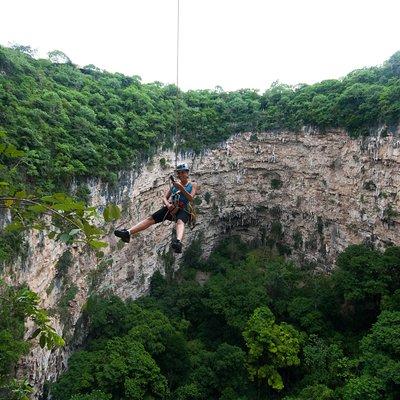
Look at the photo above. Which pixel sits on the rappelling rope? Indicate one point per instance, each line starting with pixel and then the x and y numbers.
pixel 177 100
pixel 190 210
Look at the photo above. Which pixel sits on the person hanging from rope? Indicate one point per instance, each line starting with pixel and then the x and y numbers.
pixel 177 207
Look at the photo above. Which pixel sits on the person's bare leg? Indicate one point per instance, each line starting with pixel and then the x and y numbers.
pixel 180 229
pixel 142 225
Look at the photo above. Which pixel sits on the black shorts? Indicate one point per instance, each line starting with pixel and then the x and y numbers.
pixel 162 214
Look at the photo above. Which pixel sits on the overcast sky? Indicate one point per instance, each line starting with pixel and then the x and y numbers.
pixel 231 43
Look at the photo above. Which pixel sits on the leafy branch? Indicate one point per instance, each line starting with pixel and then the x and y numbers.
pixel 64 219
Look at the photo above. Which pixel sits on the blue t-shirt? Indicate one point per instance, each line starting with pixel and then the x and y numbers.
pixel 179 197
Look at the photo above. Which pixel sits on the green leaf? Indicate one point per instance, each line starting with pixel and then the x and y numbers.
pixel 16 153
pixel 58 340
pixel 64 237
pixel 73 232
pixel 275 380
pixel 111 212
pixel 12 151
pixel 96 244
pixel 14 226
pixel 36 333
pixel 39 226
pixel 48 199
pixel 42 341
pixel 21 194
pixel 37 208
pixel 91 230
pixel 63 207
pixel 52 234
pixel 9 202
pixel 54 198
pixel 99 254
pixel 59 196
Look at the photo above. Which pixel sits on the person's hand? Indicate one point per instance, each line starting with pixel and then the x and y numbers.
pixel 179 186
pixel 170 207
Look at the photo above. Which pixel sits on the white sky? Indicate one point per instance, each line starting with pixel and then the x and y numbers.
pixel 231 43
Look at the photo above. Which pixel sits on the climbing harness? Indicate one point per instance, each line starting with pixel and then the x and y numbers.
pixel 179 205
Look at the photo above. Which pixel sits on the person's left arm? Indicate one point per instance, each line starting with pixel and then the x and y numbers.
pixel 189 196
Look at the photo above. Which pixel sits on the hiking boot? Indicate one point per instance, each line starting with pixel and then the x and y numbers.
pixel 177 246
pixel 123 234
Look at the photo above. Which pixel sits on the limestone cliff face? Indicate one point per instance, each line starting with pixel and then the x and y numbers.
pixel 308 192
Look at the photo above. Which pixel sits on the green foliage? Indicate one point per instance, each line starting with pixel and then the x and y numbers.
pixel 305 312
pixel 11 336
pixel 165 344
pixel 276 183
pixel 188 392
pixel 17 305
pixel 83 193
pixel 315 392
pixel 380 354
pixel 191 334
pixel 122 368
pixel 111 212
pixel 297 240
pixel 193 254
pixel 10 245
pixel 207 197
pixel 95 276
pixel 106 317
pixel 276 231
pixel 212 373
pixel 95 395
pixel 63 304
pixel 78 122
pixel 63 263
pixel 281 280
pixel 364 387
pixel 71 221
pixel 230 251
pixel 326 364
pixel 16 390
pixel 235 295
pixel 363 276
pixel 23 303
pixel 270 346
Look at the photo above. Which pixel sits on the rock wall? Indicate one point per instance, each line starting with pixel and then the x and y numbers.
pixel 308 194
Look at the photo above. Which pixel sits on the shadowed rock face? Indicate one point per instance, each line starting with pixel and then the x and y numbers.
pixel 311 193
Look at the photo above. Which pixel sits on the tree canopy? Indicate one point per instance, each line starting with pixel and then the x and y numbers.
pixel 294 343
pixel 80 122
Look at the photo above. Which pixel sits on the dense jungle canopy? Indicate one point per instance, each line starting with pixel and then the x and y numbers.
pixel 76 122
pixel 260 328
